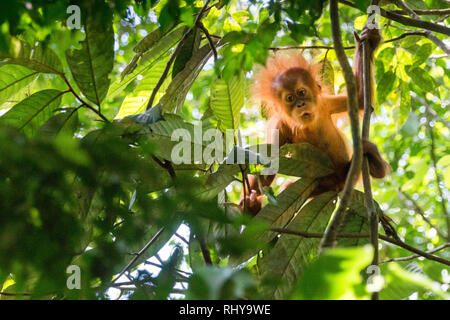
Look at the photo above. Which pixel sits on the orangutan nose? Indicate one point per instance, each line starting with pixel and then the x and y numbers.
pixel 301 104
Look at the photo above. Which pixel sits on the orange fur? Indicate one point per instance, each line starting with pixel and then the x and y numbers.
pixel 276 65
pixel 302 111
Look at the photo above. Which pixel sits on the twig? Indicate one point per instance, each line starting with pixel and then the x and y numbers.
pixel 205 251
pixel 309 47
pixel 329 239
pixel 181 238
pixel 63 76
pixel 396 242
pixel 428 33
pixel 166 165
pixel 161 266
pixel 424 254
pixel 428 12
pixel 319 235
pixel 10 294
pixel 446 245
pixel 208 36
pixel 402 36
pixel 407 21
pixel 419 210
pixel 174 55
pixel 140 253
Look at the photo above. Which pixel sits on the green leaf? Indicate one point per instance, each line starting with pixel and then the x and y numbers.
pixel 416 4
pixel 40 58
pixel 148 41
pixel 304 160
pixel 218 181
pixel 162 131
pixel 213 283
pixel 136 102
pixel 286 261
pixel 335 275
pixel 91 65
pixel 12 79
pixel 356 221
pixel 421 78
pixel 158 51
pixel 401 114
pixel 173 100
pixel 227 99
pixel 326 74
pixel 29 114
pixel 385 86
pixel 400 284
pixel 62 123
pixel 190 46
pixel 411 125
pixel 278 215
pixel 422 54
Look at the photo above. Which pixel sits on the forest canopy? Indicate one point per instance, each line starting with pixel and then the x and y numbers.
pixel 94 205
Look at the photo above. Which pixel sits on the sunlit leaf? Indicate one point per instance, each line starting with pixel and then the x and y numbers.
pixel 287 260
pixel 29 114
pixel 227 99
pixel 12 79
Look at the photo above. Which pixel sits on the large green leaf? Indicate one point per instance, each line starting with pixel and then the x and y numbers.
pixel 12 79
pixel 421 78
pixel 62 123
pixel 287 260
pixel 190 46
pixel 355 221
pixel 304 160
pixel 335 275
pixel 218 181
pixel 173 100
pixel 29 114
pixel 400 284
pixel 136 101
pixel 401 114
pixel 227 99
pixel 91 65
pixel 385 86
pixel 161 133
pixel 39 58
pixel 278 215
pixel 158 51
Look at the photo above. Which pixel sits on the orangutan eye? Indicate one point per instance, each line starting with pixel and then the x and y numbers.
pixel 289 98
pixel 301 92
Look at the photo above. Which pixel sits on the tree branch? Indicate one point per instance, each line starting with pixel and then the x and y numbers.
pixel 428 33
pixel 139 254
pixel 63 76
pixel 208 36
pixel 428 12
pixel 446 245
pixel 407 21
pixel 402 36
pixel 329 239
pixel 424 254
pixel 396 242
pixel 372 215
pixel 174 55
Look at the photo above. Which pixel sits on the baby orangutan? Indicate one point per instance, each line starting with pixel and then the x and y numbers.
pixel 301 109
